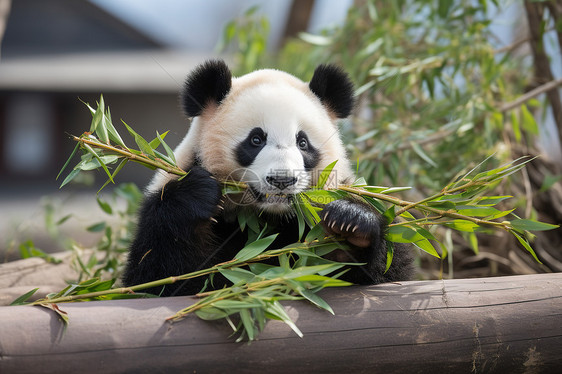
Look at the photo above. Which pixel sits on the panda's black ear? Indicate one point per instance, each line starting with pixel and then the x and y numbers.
pixel 334 89
pixel 209 83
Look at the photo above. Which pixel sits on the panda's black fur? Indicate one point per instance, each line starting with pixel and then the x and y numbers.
pixel 182 226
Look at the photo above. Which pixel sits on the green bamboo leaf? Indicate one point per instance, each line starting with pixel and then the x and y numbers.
pixel 96 116
pixel 359 182
pixel 369 134
pixel 420 152
pixel 375 189
pixel 491 200
pixel 532 225
pixel 324 175
pixel 28 249
pixel 476 211
pixel 63 219
pixel 515 126
pixel 316 233
pixel 99 122
pixel 310 213
pixel 442 204
pixel 169 151
pixel 322 196
pixel 144 146
pixel 97 227
pixel 23 298
pixel 314 39
pixel 500 214
pixel 376 204
pixel 254 249
pixel 68 161
pixel 426 246
pixel 300 215
pixel 112 132
pixel 462 225
pixel 233 306
pixel 405 234
pixel 315 269
pixel 389 255
pixel 248 323
pixel 237 275
pixel 314 298
pixel 92 110
pixel 402 234
pixel 407 216
pixel 104 206
pixel 91 150
pixel 211 314
pixel 155 143
pixel 395 189
pixel 95 286
pixel 528 121
pixel 117 170
pixel 324 281
pixel 275 310
pixel 526 245
pixel 94 163
pixel 390 214
pixel 73 174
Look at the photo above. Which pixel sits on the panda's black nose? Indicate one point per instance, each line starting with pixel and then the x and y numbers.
pixel 281 182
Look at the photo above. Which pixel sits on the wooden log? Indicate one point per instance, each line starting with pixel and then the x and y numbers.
pixel 18 277
pixel 490 325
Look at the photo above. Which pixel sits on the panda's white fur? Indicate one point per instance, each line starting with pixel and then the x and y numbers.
pixel 280 104
pixel 276 133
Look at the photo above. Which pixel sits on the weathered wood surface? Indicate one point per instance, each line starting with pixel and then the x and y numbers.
pixel 18 277
pixel 490 325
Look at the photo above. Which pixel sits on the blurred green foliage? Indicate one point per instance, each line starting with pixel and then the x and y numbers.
pixel 430 87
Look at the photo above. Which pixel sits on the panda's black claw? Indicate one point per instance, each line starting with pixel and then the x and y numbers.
pixel 355 222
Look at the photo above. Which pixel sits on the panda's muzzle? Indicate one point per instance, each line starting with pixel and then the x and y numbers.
pixel 281 182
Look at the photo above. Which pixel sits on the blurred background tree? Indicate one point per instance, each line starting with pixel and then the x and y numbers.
pixel 436 95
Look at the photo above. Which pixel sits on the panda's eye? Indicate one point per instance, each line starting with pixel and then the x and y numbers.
pixel 302 143
pixel 256 140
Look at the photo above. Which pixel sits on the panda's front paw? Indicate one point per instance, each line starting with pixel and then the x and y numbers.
pixel 353 221
pixel 198 194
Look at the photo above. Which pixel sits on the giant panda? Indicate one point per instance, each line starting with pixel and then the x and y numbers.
pixel 276 133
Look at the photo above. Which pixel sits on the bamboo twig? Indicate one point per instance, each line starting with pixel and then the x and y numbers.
pixel 531 94
pixel 130 155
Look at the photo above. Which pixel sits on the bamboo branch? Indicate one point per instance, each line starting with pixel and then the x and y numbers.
pixel 170 280
pixel 531 94
pixel 131 156
pixel 443 213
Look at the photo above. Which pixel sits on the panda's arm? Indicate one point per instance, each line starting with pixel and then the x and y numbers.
pixel 174 235
pixel 364 230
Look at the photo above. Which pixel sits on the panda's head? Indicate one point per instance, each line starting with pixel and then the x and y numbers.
pixel 267 128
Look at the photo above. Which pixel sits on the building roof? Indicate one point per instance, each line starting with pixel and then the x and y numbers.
pixel 152 71
pixel 38 27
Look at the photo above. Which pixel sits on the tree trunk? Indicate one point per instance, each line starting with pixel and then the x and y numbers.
pixel 543 73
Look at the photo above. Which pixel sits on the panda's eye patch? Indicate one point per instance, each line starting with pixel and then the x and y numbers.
pixel 249 148
pixel 310 155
